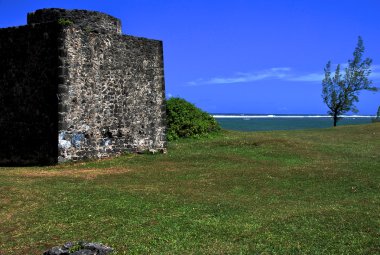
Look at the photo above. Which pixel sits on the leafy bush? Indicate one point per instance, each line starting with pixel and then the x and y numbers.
pixel 186 120
pixel 65 22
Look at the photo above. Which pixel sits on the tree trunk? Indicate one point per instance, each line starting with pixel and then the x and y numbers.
pixel 335 119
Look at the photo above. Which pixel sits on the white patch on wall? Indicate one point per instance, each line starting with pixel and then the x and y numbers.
pixel 62 143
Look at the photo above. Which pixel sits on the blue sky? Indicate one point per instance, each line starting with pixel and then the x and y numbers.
pixel 243 56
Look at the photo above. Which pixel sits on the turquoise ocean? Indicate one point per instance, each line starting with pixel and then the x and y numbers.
pixel 265 122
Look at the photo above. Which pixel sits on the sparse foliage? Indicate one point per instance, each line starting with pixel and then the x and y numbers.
pixel 65 22
pixel 341 92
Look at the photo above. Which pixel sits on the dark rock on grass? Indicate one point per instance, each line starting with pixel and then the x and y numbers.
pixel 99 248
pixel 79 248
pixel 84 252
pixel 57 251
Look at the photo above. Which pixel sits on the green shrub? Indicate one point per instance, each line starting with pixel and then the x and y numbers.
pixel 65 22
pixel 186 120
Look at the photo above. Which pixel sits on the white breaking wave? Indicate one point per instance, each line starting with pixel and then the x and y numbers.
pixel 287 116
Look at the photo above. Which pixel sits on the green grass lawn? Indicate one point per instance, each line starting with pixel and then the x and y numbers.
pixel 282 192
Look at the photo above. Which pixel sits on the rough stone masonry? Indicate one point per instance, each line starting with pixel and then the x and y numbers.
pixel 73 87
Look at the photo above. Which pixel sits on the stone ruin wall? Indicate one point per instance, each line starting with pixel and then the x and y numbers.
pixel 111 96
pixel 28 101
pixel 78 91
pixel 89 21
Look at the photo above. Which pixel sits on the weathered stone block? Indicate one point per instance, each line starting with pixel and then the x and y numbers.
pixel 78 90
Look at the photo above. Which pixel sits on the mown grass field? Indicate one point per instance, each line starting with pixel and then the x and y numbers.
pixel 283 192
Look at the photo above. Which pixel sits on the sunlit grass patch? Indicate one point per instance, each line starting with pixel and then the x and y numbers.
pixel 283 192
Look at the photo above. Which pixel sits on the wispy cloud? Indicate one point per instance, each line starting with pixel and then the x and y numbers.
pixel 279 73
pixel 375 75
pixel 311 77
pixel 272 73
pixel 375 72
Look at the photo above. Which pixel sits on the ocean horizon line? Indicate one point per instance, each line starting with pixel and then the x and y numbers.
pixel 248 116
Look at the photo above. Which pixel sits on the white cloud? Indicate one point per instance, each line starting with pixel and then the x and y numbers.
pixel 374 75
pixel 279 73
pixel 311 77
pixel 272 73
pixel 375 72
